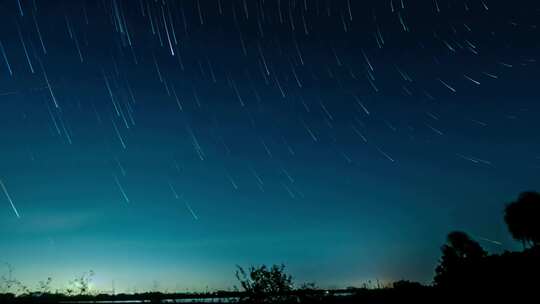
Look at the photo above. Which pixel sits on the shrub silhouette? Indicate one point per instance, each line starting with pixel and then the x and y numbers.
pixel 45 286
pixel 265 285
pixel 523 218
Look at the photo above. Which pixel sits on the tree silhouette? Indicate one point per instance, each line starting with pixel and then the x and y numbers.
pixel 464 246
pixel 523 218
pixel 81 283
pixel 458 254
pixel 265 285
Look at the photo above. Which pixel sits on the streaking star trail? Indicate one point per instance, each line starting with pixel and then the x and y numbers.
pixel 6 193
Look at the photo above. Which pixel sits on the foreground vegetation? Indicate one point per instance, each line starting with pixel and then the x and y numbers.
pixel 465 272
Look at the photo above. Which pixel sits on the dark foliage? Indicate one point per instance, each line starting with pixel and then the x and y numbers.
pixel 458 254
pixel 523 218
pixel 466 268
pixel 265 285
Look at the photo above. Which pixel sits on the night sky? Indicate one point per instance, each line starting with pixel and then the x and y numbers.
pixel 160 143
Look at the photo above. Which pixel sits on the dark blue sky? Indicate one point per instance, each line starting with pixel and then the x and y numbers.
pixel 160 143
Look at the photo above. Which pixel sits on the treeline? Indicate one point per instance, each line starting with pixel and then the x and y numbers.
pixel 465 268
pixel 465 272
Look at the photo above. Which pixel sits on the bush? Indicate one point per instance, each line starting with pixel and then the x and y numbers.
pixel 265 285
